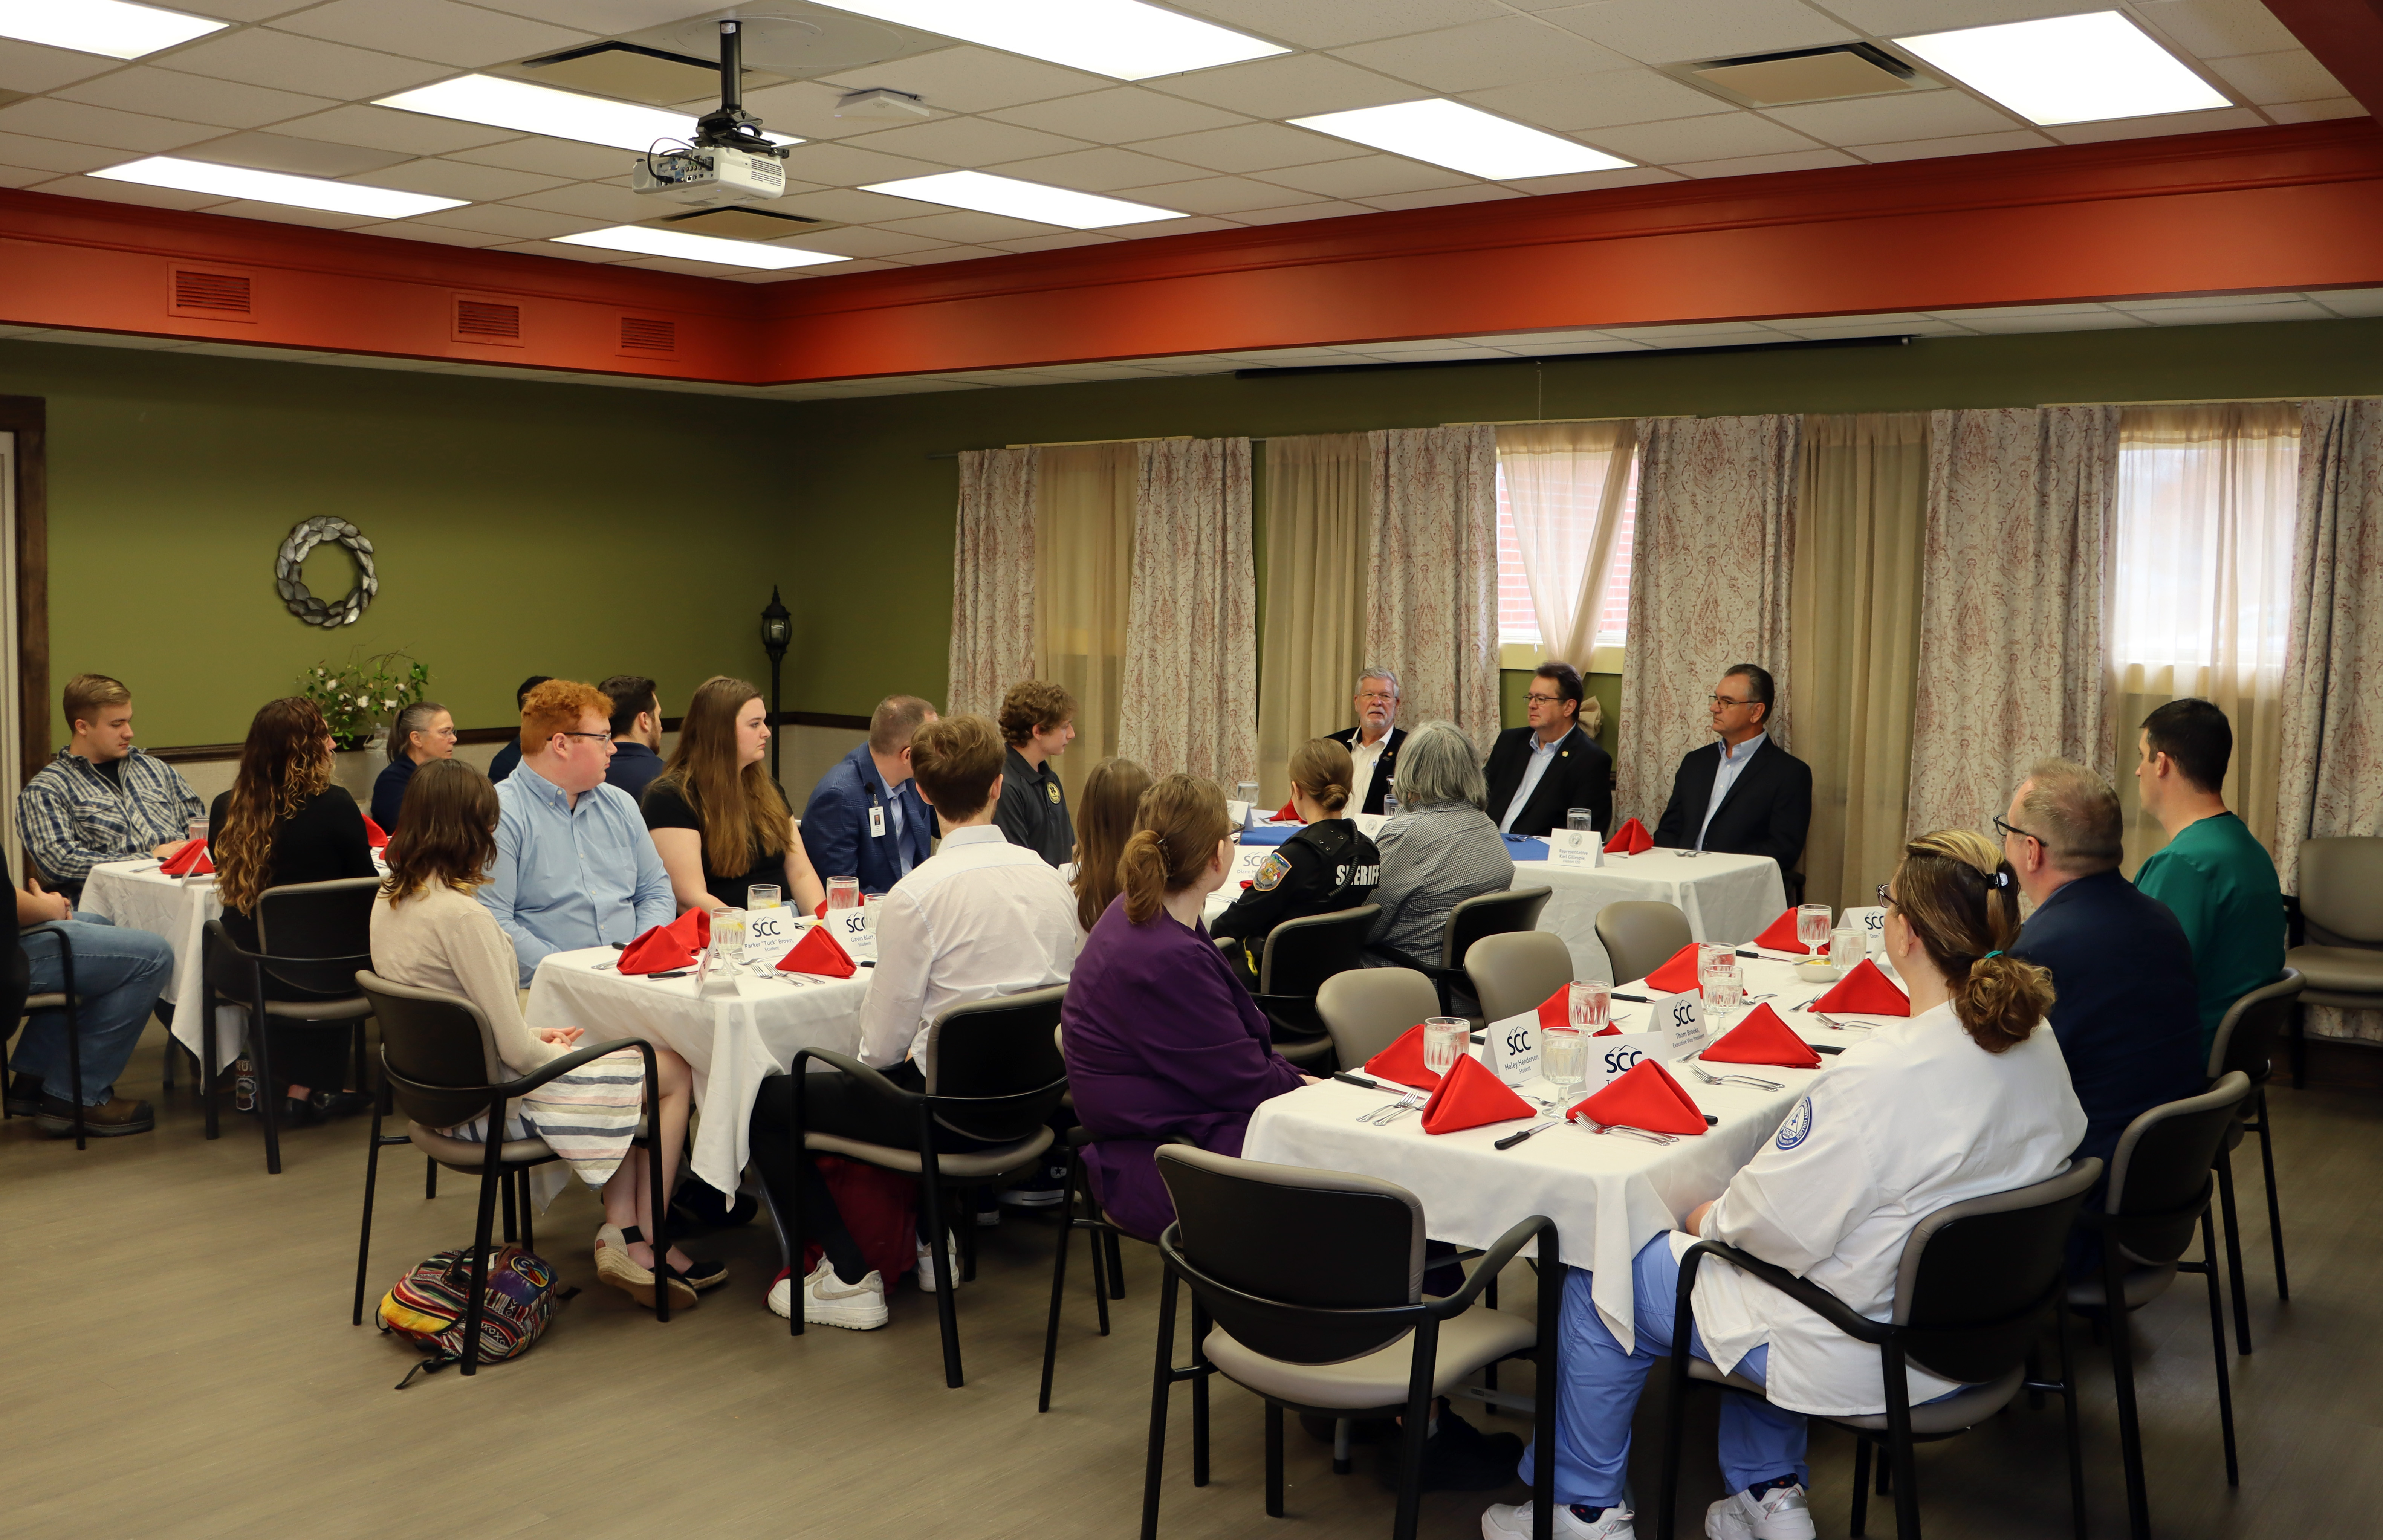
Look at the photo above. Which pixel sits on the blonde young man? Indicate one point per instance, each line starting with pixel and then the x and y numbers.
pixel 101 799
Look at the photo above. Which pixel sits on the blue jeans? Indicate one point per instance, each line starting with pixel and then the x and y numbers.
pixel 1598 1384
pixel 119 973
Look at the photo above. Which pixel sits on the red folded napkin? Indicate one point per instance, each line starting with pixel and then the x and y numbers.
pixel 1678 974
pixel 1470 1095
pixel 1611 1029
pixel 1402 1062
pixel 1289 814
pixel 1780 937
pixel 818 952
pixel 1556 1009
pixel 819 910
pixel 191 860
pixel 1644 1096
pixel 375 835
pixel 1630 839
pixel 1864 992
pixel 668 947
pixel 1762 1037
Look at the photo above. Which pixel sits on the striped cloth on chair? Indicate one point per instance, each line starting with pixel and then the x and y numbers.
pixel 587 1115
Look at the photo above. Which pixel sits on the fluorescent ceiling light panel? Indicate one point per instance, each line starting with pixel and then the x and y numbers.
pixel 1463 138
pixel 987 193
pixel 2069 69
pixel 537 109
pixel 276 187
pixel 1121 38
pixel 110 28
pixel 697 248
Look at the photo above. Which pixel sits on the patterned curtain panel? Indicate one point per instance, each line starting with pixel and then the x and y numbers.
pixel 1314 620
pixel 1710 569
pixel 2015 585
pixel 1431 575
pixel 992 578
pixel 1190 702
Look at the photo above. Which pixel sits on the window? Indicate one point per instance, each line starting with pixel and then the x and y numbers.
pixel 1573 520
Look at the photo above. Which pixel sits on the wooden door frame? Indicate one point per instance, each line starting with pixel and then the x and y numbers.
pixel 27 418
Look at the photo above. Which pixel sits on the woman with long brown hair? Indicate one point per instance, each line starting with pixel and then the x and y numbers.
pixel 1104 821
pixel 718 819
pixel 284 822
pixel 427 932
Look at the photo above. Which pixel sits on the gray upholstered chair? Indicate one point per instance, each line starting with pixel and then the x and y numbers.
pixel 2337 930
pixel 1366 1009
pixel 1639 937
pixel 1513 972
pixel 2244 1038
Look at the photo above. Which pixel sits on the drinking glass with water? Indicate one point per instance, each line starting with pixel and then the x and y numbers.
pixel 1444 1037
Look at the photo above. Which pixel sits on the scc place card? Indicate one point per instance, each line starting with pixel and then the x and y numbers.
pixel 1609 1057
pixel 1513 1047
pixel 1578 848
pixel 1680 1020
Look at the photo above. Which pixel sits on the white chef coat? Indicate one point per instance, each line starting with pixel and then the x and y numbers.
pixel 1913 1119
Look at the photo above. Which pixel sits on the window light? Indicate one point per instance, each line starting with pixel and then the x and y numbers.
pixel 1463 138
pixel 276 187
pixel 987 193
pixel 2069 69
pixel 110 28
pixel 697 248
pixel 1121 38
pixel 537 109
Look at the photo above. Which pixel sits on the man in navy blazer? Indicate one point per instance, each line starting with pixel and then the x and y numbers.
pixel 865 819
pixel 1538 772
pixel 1744 794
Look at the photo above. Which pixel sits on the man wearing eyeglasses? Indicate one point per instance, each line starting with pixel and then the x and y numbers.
pixel 575 866
pixel 1744 794
pixel 1538 772
pixel 1373 741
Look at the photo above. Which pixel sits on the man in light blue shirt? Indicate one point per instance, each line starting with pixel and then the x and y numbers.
pixel 575 866
pixel 1734 758
pixel 1744 794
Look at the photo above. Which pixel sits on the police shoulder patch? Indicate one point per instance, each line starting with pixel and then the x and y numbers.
pixel 1271 870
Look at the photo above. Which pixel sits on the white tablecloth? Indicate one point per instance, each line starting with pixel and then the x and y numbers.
pixel 731 1043
pixel 136 897
pixel 1727 898
pixel 1609 1193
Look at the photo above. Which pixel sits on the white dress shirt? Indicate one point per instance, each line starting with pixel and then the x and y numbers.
pixel 1732 765
pixel 1364 756
pixel 1543 754
pixel 980 918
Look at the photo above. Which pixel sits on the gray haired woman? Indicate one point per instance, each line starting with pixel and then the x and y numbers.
pixel 422 731
pixel 1441 850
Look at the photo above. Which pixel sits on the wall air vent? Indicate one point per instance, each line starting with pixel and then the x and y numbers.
pixel 645 333
pixel 496 322
pixel 1807 75
pixel 211 296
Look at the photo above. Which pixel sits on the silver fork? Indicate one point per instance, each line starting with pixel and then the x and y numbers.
pixel 1382 1114
pixel 1646 1134
pixel 1711 1079
pixel 1836 1025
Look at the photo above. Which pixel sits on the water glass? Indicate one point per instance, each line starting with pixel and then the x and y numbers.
pixel 1444 1037
pixel 728 935
pixel 1846 947
pixel 1590 1007
pixel 1582 818
pixel 1811 925
pixel 843 892
pixel 1725 987
pixel 1712 955
pixel 1390 805
pixel 1563 1058
pixel 198 830
pixel 761 895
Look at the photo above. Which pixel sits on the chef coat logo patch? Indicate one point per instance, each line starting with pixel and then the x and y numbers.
pixel 1798 1125
pixel 1271 870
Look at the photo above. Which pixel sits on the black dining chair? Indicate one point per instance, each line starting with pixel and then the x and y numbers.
pixel 313 937
pixel 66 998
pixel 2245 1037
pixel 1299 955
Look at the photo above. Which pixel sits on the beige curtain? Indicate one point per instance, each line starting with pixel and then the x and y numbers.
pixel 1431 575
pixel 1314 600
pixel 995 576
pixel 1084 564
pixel 2014 597
pixel 2201 560
pixel 1566 487
pixel 1861 510
pixel 1710 566
pixel 1191 659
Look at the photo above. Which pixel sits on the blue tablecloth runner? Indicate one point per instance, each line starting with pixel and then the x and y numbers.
pixel 1517 847
pixel 1522 849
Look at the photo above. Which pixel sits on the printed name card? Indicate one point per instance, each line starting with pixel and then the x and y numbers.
pixel 769 933
pixel 1239 812
pixel 1247 858
pixel 1609 1057
pixel 1872 921
pixel 849 926
pixel 1575 847
pixel 1514 1046
pixel 1370 824
pixel 1680 1020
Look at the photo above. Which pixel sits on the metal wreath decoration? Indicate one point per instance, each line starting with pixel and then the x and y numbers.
pixel 289 569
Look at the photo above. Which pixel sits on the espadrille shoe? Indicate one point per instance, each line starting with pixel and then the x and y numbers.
pixel 615 1266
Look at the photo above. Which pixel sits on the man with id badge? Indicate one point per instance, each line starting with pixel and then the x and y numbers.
pixel 865 818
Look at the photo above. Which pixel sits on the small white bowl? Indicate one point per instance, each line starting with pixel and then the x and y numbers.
pixel 1814 972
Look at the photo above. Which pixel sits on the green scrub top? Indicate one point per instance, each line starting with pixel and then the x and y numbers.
pixel 2220 885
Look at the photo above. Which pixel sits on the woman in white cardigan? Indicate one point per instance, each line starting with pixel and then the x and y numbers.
pixel 427 932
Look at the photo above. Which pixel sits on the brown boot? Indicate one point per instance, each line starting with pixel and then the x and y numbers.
pixel 117 1115
pixel 24 1095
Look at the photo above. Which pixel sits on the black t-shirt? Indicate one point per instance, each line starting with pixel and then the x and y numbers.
pixel 112 768
pixel 321 841
pixel 666 807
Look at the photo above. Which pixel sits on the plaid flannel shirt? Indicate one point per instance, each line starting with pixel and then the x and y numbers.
pixel 71 817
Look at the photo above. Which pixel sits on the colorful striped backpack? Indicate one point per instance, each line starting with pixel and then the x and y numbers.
pixel 429 1304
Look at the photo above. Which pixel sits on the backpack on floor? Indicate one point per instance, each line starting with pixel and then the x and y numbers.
pixel 428 1307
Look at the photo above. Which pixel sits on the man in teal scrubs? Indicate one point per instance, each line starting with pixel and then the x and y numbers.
pixel 2218 881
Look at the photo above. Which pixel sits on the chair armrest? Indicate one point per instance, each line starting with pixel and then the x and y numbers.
pixel 1081 1138
pixel 1493 1261
pixel 869 1079
pixel 2295 923
pixel 1811 1296
pixel 362 959
pixel 573 1060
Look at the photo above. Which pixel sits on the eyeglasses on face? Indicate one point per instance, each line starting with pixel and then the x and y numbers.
pixel 1886 899
pixel 600 737
pixel 1537 698
pixel 1726 702
pixel 1376 697
pixel 2007 832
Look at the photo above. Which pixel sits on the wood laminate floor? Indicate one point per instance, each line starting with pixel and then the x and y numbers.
pixel 179 1362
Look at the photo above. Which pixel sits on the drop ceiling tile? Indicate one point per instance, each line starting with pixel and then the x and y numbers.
pixel 2234 313
pixel 1608 345
pixel 1058 242
pixel 1294 213
pixel 1190 363
pixel 1331 23
pixel 479 184
pixel 971 141
pixel 283 214
pixel 47 118
pixel 2317 112
pixel 593 255
pixel 680 264
pixel 465 35
pixel 1289 87
pixel 258 56
pixel 601 15
pixel 2293 75
pixel 387 128
pixel 807 108
pixel 1884 119
pixel 1891 18
pixel 1603 100
pixel 1117 117
pixel 596 201
pixel 861 242
pixel 299 157
pixel 968 226
pixel 848 166
pixel 1102 371
pixel 957 252
pixel 193 98
pixel 1764 166
pixel 551 158
pixel 31 67
pixel 521 224
pixel 2202 302
pixel 1682 139
pixel 1535 340
pixel 1696 334
pixel 1921 327
pixel 443 235
pixel 1184 226
pixel 2218 29
pixel 23 176
pixel 1253 147
pixel 52 154
pixel 1214 195
pixel 1665 31
pixel 848 205
pixel 1439 197
pixel 1368 176
pixel 1589 181
pixel 2108 320
pixel 1511 50
pixel 2165 123
pixel 973 80
pixel 1094 171
pixel 2350 302
pixel 1957 144
pixel 1988 313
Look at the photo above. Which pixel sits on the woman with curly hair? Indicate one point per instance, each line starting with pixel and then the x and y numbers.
pixel 285 822
pixel 718 819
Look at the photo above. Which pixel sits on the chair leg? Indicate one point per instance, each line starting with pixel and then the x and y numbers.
pixel 2217 1346
pixel 1862 1485
pixel 2122 1372
pixel 74 1052
pixel 2069 1418
pixel 2300 1045
pixel 1274 1459
pixel 166 1072
pixel 2274 1213
pixel 1199 1393
pixel 490 1176
pixel 1161 1380
pixel 1675 1425
pixel 506 1193
pixel 1417 1427
pixel 931 1191
pixel 429 1179
pixel 1901 1448
pixel 363 1242
pixel 529 1237
pixel 968 1236
pixel 1117 1259
pixel 1341 1462
pixel 2232 1226
pixel 208 1065
pixel 268 1086
pixel 1059 1281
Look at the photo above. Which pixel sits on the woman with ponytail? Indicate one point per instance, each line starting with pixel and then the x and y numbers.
pixel 1968 1096
pixel 1329 866
pixel 1161 1039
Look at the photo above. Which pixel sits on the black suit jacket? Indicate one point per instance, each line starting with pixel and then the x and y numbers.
pixel 1582 776
pixel 1768 811
pixel 1384 768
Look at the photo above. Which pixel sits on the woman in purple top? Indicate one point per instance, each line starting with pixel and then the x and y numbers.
pixel 1161 1039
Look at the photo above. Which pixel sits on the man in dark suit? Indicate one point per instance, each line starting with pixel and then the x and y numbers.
pixel 1744 794
pixel 1373 741
pixel 1540 772
pixel 865 819
pixel 2128 1015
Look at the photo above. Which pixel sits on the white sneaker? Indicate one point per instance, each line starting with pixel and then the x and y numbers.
pixel 1782 1514
pixel 1512 1522
pixel 830 1301
pixel 926 1264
